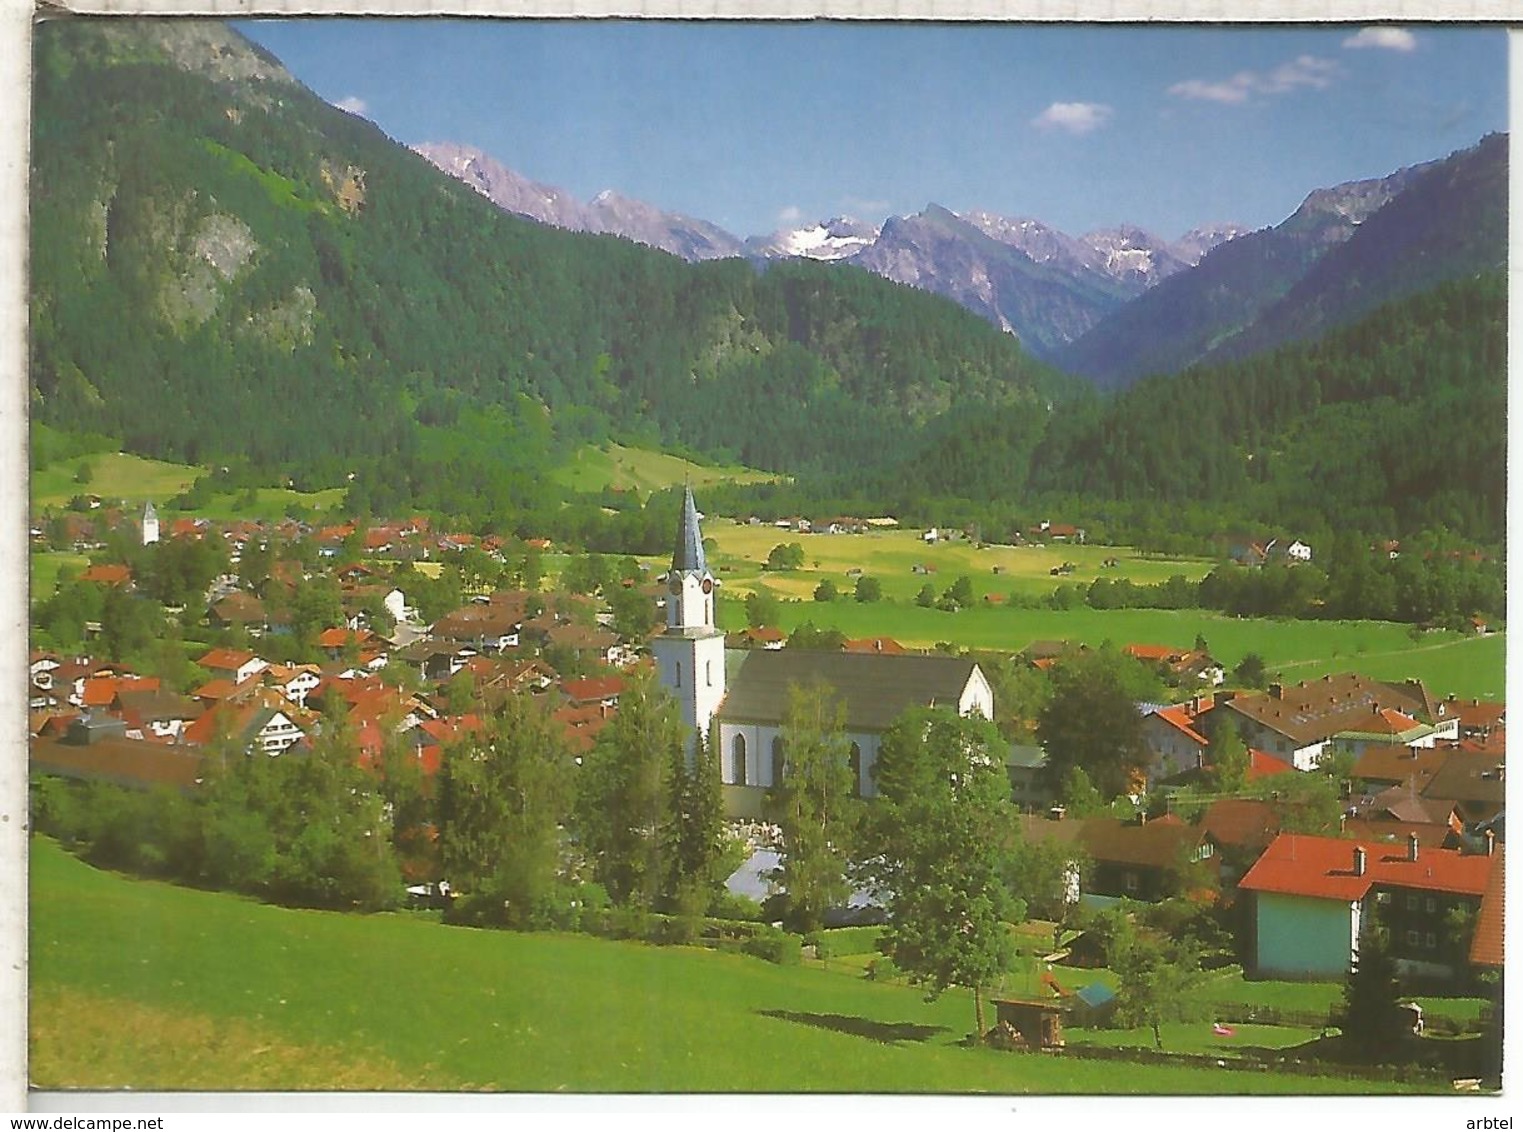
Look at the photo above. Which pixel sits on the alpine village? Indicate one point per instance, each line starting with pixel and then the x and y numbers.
pixel 476 651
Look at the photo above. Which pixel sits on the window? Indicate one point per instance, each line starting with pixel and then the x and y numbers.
pixel 1411 902
pixel 738 760
pixel 1430 941
pixel 1131 882
pixel 1412 938
pixel 1430 905
pixel 679 674
pixel 708 672
pixel 777 760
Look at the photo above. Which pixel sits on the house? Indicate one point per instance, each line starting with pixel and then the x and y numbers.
pixel 883 646
pixel 249 726
pixel 1479 719
pixel 107 574
pixel 743 694
pixel 1174 737
pixel 154 713
pixel 1142 860
pixel 766 637
pixel 294 681
pixel 486 628
pixel 1182 666
pixel 238 609
pixel 1477 784
pixel 1486 944
pixel 594 691
pixel 1299 723
pixel 1312 895
pixel 1028 789
pixel 236 665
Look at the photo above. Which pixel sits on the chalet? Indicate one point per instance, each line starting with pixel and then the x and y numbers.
pixel 486 628
pixel 154 714
pixel 1184 666
pixel 107 574
pixel 767 637
pixel 596 691
pixel 1028 787
pixel 294 681
pixel 1300 723
pixel 236 665
pixel 250 726
pixel 1312 895
pixel 238 609
pixel 1142 860
pixel 881 646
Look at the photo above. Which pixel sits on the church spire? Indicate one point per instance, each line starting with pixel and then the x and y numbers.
pixel 688 557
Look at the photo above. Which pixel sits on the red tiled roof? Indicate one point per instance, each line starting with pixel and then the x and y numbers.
pixel 1241 822
pixel 1151 652
pixel 1263 765
pixel 1486 945
pixel 1179 716
pixel 593 688
pixel 1475 715
pixel 1323 867
pixel 107 574
pixel 885 645
pixel 231 659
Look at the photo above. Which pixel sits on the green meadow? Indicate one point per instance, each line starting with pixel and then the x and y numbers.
pixel 642 470
pixel 113 476
pixel 144 984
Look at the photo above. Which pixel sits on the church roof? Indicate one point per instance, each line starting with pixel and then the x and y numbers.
pixel 876 688
pixel 689 553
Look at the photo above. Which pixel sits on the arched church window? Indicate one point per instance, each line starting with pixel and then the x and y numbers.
pixel 777 760
pixel 679 674
pixel 738 769
pixel 708 672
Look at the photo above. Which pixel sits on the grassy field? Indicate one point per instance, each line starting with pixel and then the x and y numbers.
pixel 644 471
pixel 114 476
pixel 45 568
pixel 140 982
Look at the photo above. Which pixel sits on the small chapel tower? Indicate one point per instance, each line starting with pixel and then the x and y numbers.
pixel 150 524
pixel 690 651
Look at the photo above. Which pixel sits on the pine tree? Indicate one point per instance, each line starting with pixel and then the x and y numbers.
pixel 1370 994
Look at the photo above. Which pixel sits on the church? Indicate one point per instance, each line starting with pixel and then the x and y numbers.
pixel 739 697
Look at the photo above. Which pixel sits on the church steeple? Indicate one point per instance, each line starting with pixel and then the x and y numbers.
pixel 690 653
pixel 689 553
pixel 689 584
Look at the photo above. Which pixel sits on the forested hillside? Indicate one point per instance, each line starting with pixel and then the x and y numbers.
pixel 225 267
pixel 1389 427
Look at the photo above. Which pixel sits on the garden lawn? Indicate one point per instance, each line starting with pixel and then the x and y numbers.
pixel 1197 1037
pixel 405 1003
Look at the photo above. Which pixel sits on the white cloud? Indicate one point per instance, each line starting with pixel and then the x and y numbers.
pixel 1073 117
pixel 1383 38
pixel 353 105
pixel 1301 73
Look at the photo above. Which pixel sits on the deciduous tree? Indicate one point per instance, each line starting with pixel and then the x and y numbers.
pixel 934 849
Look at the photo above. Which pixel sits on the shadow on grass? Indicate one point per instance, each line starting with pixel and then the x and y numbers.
pixel 889 1033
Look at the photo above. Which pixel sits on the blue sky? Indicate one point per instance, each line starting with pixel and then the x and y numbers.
pixel 755 126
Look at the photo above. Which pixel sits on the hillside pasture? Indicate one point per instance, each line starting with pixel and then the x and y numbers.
pixel 401 1002
pixel 643 471
pixel 115 477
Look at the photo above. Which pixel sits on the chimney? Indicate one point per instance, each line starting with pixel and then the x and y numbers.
pixel 1411 846
pixel 1491 842
pixel 1359 860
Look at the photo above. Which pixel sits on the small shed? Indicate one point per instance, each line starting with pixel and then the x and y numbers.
pixel 1038 1024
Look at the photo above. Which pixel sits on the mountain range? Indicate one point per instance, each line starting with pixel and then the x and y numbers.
pixel 1042 285
pixel 227 270
pixel 1114 304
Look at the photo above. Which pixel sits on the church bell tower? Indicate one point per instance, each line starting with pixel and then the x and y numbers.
pixel 690 651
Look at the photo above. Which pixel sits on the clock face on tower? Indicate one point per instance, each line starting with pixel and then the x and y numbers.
pixel 708 585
